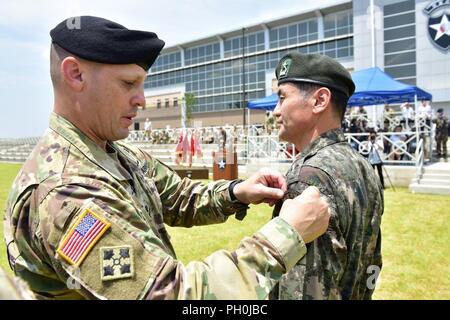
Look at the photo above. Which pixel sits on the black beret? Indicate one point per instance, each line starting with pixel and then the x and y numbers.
pixel 100 40
pixel 316 69
pixel 440 110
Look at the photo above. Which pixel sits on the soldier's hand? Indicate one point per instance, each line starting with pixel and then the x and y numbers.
pixel 265 186
pixel 308 213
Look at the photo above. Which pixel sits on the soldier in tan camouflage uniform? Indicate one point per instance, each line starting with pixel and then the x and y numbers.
pixel 345 261
pixel 85 216
pixel 13 288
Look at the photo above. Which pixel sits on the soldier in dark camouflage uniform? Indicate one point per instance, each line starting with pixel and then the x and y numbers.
pixel 85 216
pixel 313 94
pixel 441 134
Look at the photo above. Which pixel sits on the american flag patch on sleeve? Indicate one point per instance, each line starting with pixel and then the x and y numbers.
pixel 83 235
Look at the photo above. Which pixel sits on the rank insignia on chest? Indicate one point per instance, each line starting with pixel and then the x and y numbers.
pixel 116 262
pixel 82 237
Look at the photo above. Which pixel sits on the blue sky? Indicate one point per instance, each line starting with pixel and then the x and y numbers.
pixel 25 87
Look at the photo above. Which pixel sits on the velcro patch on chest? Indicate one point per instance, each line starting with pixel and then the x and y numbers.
pixel 83 235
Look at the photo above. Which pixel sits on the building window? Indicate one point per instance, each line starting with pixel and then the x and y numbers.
pixel 167 61
pixel 337 24
pixel 175 102
pixel 166 103
pixel 294 33
pixel 201 54
pixel 400 41
pixel 158 104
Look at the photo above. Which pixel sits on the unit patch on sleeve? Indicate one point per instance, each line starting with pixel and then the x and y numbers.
pixel 116 262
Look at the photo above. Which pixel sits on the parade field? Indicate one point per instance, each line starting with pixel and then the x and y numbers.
pixel 415 243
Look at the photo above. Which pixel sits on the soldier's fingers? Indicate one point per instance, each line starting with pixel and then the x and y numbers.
pixel 271 193
pixel 274 179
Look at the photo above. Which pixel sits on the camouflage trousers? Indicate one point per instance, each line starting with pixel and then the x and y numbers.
pixel 441 146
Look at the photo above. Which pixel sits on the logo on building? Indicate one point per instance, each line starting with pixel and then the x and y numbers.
pixel 438 13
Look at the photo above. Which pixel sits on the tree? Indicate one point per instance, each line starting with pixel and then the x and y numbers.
pixel 189 102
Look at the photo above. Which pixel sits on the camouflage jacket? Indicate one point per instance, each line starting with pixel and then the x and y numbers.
pixel 441 127
pixel 336 265
pixel 82 223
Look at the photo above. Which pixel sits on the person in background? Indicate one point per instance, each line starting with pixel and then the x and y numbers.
pixel 376 148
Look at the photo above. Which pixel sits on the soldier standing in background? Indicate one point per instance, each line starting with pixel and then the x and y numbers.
pixel 441 137
pixel 313 94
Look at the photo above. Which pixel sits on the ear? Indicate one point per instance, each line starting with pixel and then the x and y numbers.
pixel 72 72
pixel 321 99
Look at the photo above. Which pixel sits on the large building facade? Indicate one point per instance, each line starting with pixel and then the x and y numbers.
pixel 216 68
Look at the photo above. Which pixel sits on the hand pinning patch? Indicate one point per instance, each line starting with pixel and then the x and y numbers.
pixel 116 262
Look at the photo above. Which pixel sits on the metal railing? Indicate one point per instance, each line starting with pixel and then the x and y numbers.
pixel 399 147
pixel 419 160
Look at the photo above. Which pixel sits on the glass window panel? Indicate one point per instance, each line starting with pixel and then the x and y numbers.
pixel 411 81
pixel 201 51
pixel 330 45
pixel 236 43
pixel 342 43
pixel 282 33
pixel 401 71
pixel 399 7
pixel 400 58
pixel 227 45
pixel 401 45
pixel 260 38
pixel 273 34
pixel 341 31
pixel 312 25
pixel 398 33
pixel 251 40
pixel 331 54
pixel 293 31
pixel 342 53
pixel 329 22
pixel 302 29
pixel 398 20
pixel 330 33
pixel 342 20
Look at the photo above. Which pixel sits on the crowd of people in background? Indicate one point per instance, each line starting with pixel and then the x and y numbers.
pixel 398 128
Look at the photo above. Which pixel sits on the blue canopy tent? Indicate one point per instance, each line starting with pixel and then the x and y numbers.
pixel 373 87
pixel 266 103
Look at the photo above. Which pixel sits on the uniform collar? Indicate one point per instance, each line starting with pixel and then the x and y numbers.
pixel 325 139
pixel 85 145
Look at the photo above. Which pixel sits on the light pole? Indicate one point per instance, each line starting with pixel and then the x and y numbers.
pixel 243 80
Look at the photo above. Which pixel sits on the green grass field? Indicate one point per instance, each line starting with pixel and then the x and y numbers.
pixel 415 245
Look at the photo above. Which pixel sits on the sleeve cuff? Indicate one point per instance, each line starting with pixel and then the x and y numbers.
pixel 233 206
pixel 286 240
